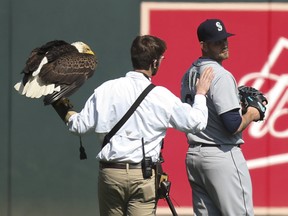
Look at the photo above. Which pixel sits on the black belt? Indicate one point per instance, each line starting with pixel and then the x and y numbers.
pixel 209 145
pixel 104 165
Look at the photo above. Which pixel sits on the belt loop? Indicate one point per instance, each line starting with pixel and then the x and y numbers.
pixel 127 167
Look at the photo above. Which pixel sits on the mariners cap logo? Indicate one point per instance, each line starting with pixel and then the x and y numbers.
pixel 219 26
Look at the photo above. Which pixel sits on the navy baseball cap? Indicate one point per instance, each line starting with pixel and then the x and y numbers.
pixel 212 30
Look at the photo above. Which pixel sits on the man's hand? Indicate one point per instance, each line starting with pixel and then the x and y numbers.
pixel 63 107
pixel 203 83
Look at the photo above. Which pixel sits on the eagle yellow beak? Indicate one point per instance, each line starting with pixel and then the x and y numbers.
pixel 89 51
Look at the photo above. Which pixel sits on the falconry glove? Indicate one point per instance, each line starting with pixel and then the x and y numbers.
pixel 251 97
pixel 62 107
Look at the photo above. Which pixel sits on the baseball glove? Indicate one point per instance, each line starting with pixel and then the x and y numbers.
pixel 250 96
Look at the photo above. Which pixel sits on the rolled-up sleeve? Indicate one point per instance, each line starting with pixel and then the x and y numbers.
pixel 190 119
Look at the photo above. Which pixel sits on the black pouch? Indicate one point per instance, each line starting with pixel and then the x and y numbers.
pixel 160 178
pixel 147 167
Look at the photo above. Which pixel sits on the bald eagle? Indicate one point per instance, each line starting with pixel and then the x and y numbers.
pixel 57 69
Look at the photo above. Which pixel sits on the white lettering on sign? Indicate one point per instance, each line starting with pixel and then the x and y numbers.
pixel 277 96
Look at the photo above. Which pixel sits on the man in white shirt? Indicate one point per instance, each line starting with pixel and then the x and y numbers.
pixel 122 189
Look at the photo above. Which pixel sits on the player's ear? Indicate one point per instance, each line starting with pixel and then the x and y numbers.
pixel 203 46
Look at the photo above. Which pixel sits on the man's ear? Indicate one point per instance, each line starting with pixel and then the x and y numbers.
pixel 155 64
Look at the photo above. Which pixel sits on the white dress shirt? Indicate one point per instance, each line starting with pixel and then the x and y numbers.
pixel 160 110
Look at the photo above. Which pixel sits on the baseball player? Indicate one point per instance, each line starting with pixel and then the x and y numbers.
pixel 217 171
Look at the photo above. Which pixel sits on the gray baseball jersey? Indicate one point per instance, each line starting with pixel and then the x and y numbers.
pixel 222 97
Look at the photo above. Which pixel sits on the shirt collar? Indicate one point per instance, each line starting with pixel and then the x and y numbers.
pixel 138 75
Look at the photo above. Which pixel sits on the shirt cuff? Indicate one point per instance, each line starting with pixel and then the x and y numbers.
pixel 200 99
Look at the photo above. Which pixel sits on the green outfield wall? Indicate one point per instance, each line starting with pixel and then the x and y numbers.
pixel 40 170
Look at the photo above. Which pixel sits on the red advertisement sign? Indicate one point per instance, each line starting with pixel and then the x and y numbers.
pixel 258 58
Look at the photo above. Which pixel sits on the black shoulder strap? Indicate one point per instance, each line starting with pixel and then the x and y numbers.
pixel 127 114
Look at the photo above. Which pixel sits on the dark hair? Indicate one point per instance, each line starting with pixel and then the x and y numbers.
pixel 145 49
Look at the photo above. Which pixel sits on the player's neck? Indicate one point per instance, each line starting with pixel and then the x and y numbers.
pixel 219 61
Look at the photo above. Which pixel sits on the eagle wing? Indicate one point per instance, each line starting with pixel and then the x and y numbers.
pixel 69 72
pixel 38 54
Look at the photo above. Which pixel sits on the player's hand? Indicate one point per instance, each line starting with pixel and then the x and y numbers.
pixel 203 83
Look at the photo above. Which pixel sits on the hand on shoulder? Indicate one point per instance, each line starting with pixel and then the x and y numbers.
pixel 203 83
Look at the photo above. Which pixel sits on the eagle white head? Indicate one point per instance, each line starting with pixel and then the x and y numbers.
pixel 82 47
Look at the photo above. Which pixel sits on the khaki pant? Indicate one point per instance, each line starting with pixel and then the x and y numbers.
pixel 124 192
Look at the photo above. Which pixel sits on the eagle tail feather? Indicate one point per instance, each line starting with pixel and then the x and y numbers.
pixel 34 88
pixel 18 86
